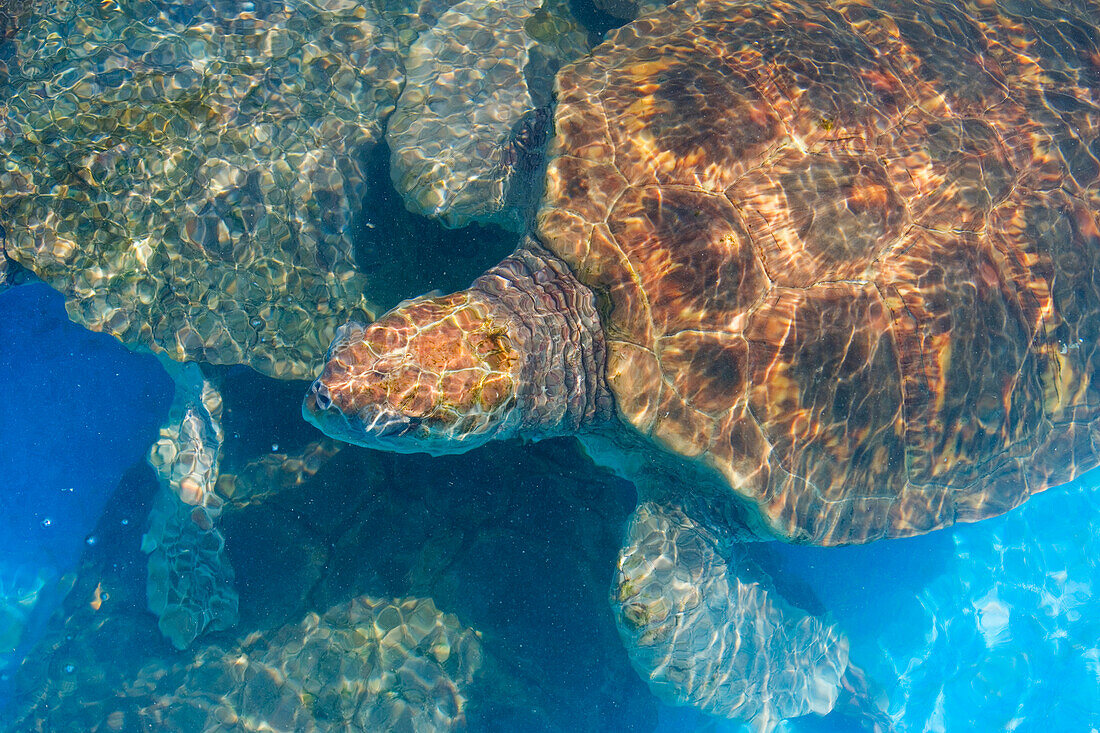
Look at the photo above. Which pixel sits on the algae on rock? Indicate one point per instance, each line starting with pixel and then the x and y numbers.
pixel 189 179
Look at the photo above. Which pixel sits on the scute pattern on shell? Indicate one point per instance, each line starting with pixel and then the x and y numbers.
pixel 188 176
pixel 845 251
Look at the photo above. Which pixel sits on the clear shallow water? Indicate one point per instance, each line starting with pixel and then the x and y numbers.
pixel 985 627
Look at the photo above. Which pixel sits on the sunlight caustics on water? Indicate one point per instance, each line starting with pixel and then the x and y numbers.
pixel 784 275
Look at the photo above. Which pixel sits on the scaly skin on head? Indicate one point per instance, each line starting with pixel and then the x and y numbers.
pixel 519 353
pixel 431 368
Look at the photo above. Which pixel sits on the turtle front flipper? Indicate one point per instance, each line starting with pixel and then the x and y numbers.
pixel 707 630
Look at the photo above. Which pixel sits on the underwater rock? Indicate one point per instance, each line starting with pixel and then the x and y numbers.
pixel 190 580
pixel 367 664
pixel 272 473
pixel 11 272
pixel 13 13
pixel 192 177
pixel 411 18
pixel 188 176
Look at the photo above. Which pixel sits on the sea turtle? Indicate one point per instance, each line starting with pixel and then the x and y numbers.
pixel 816 271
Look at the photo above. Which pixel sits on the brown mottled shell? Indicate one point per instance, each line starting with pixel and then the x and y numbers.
pixel 846 252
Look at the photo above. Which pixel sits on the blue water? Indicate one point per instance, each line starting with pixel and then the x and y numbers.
pixel 78 410
pixel 991 626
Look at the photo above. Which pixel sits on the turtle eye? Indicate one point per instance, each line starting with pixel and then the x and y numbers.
pixel 321 395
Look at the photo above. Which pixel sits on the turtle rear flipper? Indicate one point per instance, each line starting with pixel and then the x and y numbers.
pixel 707 633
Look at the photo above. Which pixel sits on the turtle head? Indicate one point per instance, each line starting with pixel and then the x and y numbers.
pixel 519 353
pixel 435 375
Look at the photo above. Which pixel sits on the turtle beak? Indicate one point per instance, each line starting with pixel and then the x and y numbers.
pixel 318 408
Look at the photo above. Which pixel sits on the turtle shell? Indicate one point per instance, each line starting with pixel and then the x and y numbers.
pixel 845 251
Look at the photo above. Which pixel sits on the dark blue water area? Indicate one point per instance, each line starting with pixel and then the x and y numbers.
pixel 78 410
